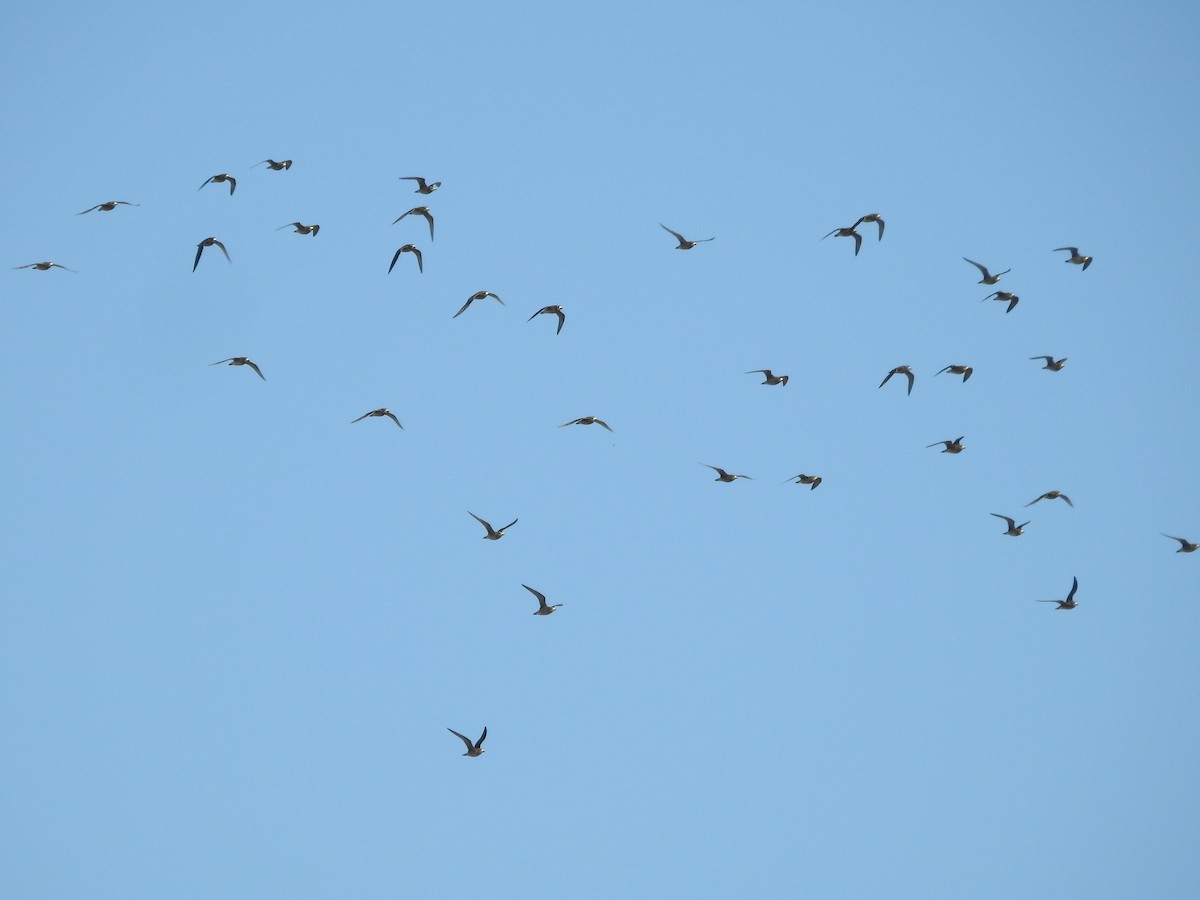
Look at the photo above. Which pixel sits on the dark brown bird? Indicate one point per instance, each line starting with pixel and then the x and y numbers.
pixel 422 186
pixel 586 420
pixel 1051 495
pixel 872 217
pixel 849 232
pixel 108 207
pixel 901 370
pixel 1184 545
pixel 1004 297
pixel 767 374
pixel 420 211
pixel 544 609
pixel 1070 602
pixel 274 166
pixel 208 242
pixel 217 179
pixel 301 229
pixel 1054 365
pixel 954 446
pixel 551 310
pixel 241 361
pixel 408 248
pixel 811 480
pixel 1014 530
pixel 383 411
pixel 478 295
pixel 492 534
pixel 1076 257
pixel 988 278
pixel 684 243
pixel 475 749
pixel 964 371
pixel 722 475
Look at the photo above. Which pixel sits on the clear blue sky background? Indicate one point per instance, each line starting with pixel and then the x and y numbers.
pixel 236 627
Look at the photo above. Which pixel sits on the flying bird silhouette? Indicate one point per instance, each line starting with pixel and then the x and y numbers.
pixel 382 411
pixel 551 310
pixel 964 371
pixel 492 534
pixel 108 207
pixel 44 267
pixel 217 179
pixel 301 229
pixel 586 420
pixel 954 446
pixel 1054 365
pixel 811 480
pixel 475 749
pixel 408 248
pixel 208 242
pixel 872 217
pixel 274 166
pixel 478 295
pixel 241 361
pixel 722 475
pixel 422 186
pixel 1051 495
pixel 684 243
pixel 906 371
pixel 769 376
pixel 1013 528
pixel 1076 257
pixel 1184 545
pixel 420 211
pixel 1070 602
pixel 1004 297
pixel 988 278
pixel 543 608
pixel 848 232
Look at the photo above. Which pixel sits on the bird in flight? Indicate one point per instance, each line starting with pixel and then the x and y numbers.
pixel 208 242
pixel 241 361
pixel 586 420
pixel 872 217
pixel 422 186
pixel 1004 297
pixel 1013 528
pixel 478 295
pixel 383 411
pixel 492 534
pixel 1070 602
pixel 1051 495
pixel 769 376
pixel 964 371
pixel 408 248
pixel 543 608
pixel 812 480
pixel 301 229
pixel 901 370
pixel 954 446
pixel 988 278
pixel 1054 365
pixel 849 232
pixel 44 267
pixel 274 166
pixel 217 179
pixel 420 211
pixel 475 749
pixel 1184 546
pixel 108 207
pixel 722 475
pixel 1076 257
pixel 684 243
pixel 551 310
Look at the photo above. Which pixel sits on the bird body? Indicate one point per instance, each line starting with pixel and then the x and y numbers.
pixel 1076 257
pixel 906 371
pixel 1014 530
pixel 492 533
pixel 722 475
pixel 1004 297
pixel 812 480
pixel 382 411
pixel 301 229
pixel 964 371
pixel 543 609
pixel 420 211
pixel 408 248
pixel 478 295
pixel 551 310
pixel 1054 365
pixel 475 749
pixel 217 179
pixel 273 165
pixel 586 420
pixel 108 207
pixel 1051 495
pixel 988 277
pixel 769 376
pixel 208 242
pixel 241 361
pixel 954 446
pixel 848 232
pixel 1185 546
pixel 684 243
pixel 423 187
pixel 1070 602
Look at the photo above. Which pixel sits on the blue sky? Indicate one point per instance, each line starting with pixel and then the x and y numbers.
pixel 237 627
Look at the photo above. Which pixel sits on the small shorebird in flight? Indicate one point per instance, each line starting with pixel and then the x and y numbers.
pixel 1184 545
pixel 274 166
pixel 586 420
pixel 301 229
pixel 901 370
pixel 544 609
pixel 422 186
pixel 770 377
pixel 1051 495
pixel 548 311
pixel 108 207
pixel 964 371
pixel 478 295
pixel 849 232
pixel 475 749
pixel 722 475
pixel 988 277
pixel 44 267
pixel 420 211
pixel 872 217
pixel 684 243
pixel 1076 257
pixel 382 411
pixel 241 361
pixel 208 242
pixel 217 179
pixel 408 248
pixel 1070 602
pixel 1004 297
pixel 1013 528
pixel 954 446
pixel 492 534
pixel 812 480
pixel 1052 364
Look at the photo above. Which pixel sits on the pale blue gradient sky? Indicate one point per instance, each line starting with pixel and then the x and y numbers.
pixel 236 627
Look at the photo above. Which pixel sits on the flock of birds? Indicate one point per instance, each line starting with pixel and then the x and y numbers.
pixel 425 187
